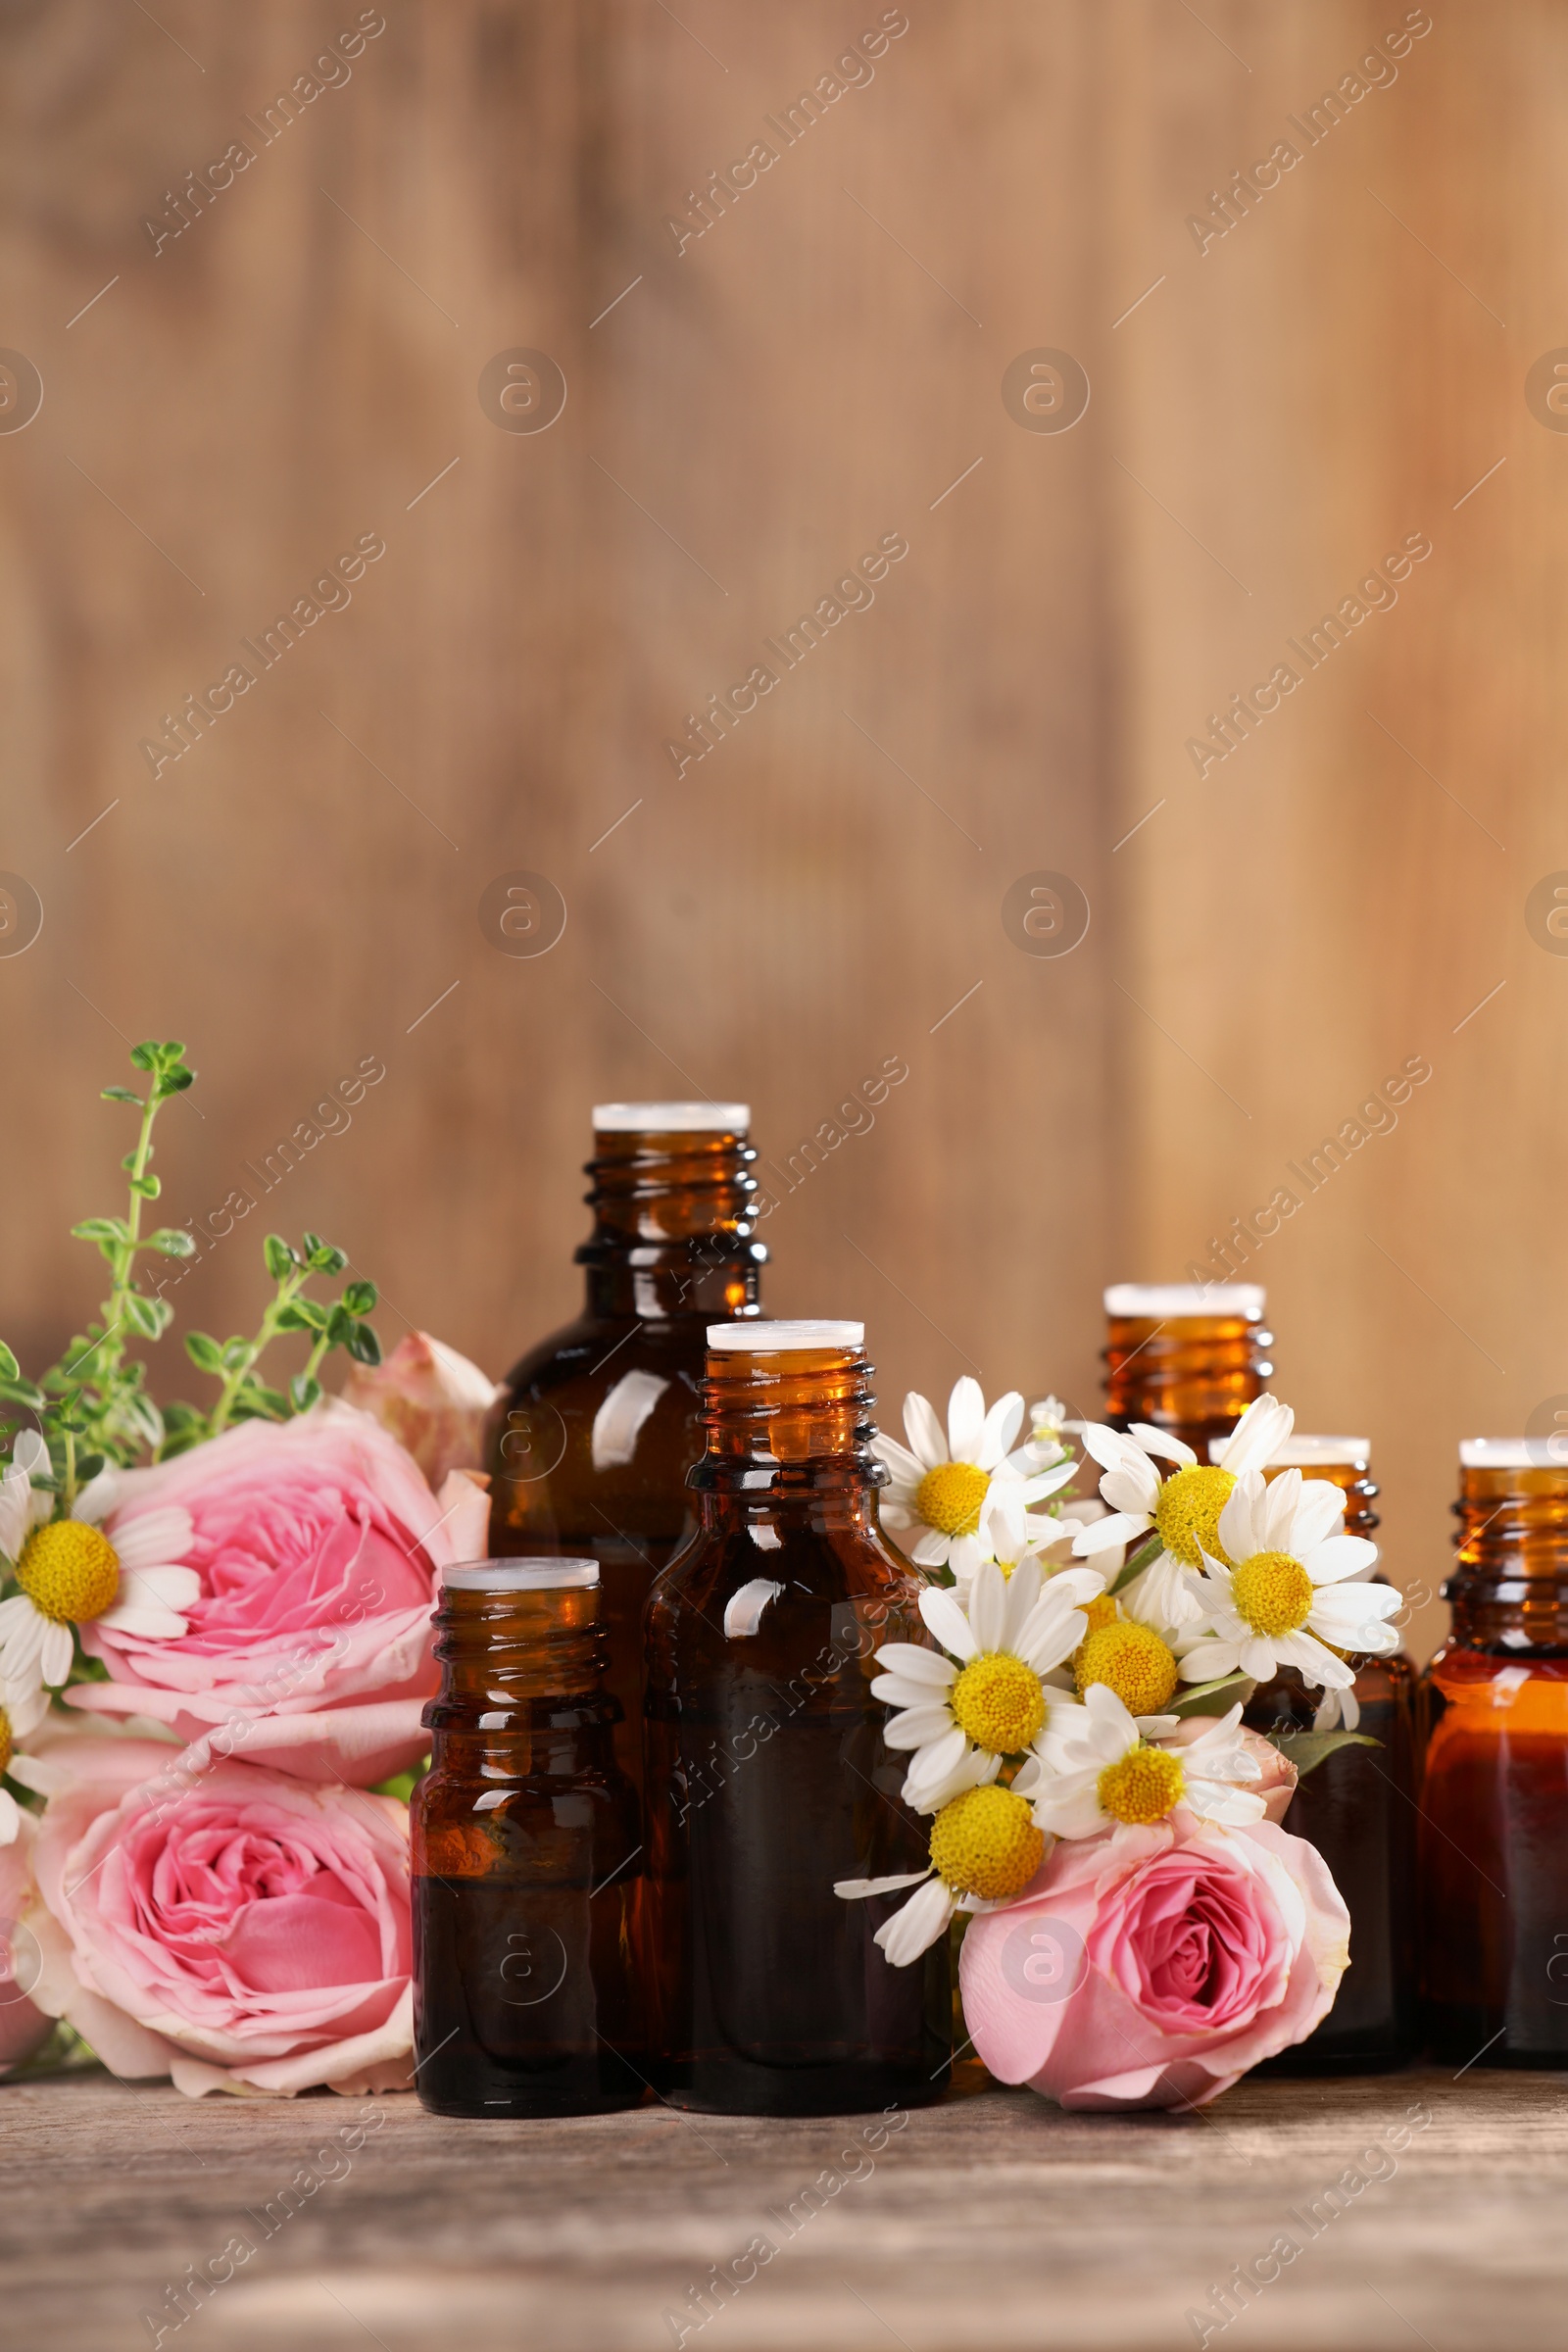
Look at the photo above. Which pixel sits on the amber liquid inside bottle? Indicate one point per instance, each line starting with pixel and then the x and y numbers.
pixel 1495 1802
pixel 1360 1808
pixel 1186 1361
pixel 767 1778
pixel 526 1862
pixel 590 1442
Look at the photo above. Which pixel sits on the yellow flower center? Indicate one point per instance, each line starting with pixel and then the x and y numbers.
pixel 1272 1591
pixel 985 1843
pixel 1142 1785
pixel 949 1497
pixel 7 1743
pixel 1187 1513
pixel 998 1702
pixel 1132 1660
pixel 68 1571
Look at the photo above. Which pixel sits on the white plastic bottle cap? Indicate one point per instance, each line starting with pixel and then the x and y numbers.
pixel 783 1338
pixel 523 1576
pixel 1507 1453
pixel 1167 1298
pixel 1301 1451
pixel 670 1119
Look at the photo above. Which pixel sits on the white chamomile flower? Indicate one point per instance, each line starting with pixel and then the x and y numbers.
pixel 942 1479
pixel 1336 1709
pixel 1283 1591
pixel 71 1574
pixel 1100 1767
pixel 1183 1509
pixel 985 1850
pixel 962 1713
pixel 20 1712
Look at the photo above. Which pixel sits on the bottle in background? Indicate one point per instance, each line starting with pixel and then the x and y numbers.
pixel 590 1440
pixel 1186 1359
pixel 1494 1703
pixel 526 1856
pixel 767 1778
pixel 1359 1808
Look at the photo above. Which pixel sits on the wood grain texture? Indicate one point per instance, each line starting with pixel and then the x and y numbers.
pixel 824 888
pixel 991 2223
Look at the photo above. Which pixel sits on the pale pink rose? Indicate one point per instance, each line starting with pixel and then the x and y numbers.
pixel 22 2024
pixel 1151 1967
pixel 1277 1775
pixel 319 1545
pixel 431 1399
pixel 231 1927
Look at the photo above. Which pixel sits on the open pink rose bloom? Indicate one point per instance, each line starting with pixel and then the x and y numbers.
pixel 318 1545
pixel 1152 1968
pixel 224 1923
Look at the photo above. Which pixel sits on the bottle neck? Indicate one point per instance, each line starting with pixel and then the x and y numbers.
pixel 673 1222
pixel 788 1434
pixel 522 1682
pixel 1510 1586
pixel 1191 1376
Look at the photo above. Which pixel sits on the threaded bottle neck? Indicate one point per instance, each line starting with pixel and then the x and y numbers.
pixel 509 1656
pixel 788 1422
pixel 673 1223
pixel 1191 1375
pixel 1510 1586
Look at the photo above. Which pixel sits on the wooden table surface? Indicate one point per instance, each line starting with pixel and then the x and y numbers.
pixel 987 2223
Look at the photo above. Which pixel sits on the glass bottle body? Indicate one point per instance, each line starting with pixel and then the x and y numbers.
pixel 591 1438
pixel 1359 1808
pixel 525 1860
pixel 1493 1706
pixel 1187 1362
pixel 767 1778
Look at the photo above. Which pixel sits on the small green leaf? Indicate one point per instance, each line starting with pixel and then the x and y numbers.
pixel 146 1056
pixel 149 1187
pixel 120 1094
pixel 280 1258
pixel 235 1353
pixel 173 1241
pixel 10 1369
pixel 1306 1750
pixel 175 1082
pixel 204 1353
pixel 364 1346
pixel 302 1314
pixel 305 1393
pixel 24 1392
pixel 101 1229
pixel 339 1326
pixel 1212 1698
pixel 360 1298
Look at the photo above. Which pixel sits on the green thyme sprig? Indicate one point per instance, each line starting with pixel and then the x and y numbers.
pixel 243 1396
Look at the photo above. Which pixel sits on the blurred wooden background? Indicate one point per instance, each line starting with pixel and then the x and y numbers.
pixel 749 411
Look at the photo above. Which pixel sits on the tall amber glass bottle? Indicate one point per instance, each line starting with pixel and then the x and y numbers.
pixel 1186 1359
pixel 525 1855
pixel 1494 1800
pixel 591 1438
pixel 767 1778
pixel 1359 1808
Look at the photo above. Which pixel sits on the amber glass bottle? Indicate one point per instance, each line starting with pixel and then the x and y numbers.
pixel 1495 1801
pixel 767 1778
pixel 1359 1808
pixel 1185 1359
pixel 591 1438
pixel 526 1856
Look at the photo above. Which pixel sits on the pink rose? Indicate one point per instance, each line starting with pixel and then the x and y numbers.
pixel 319 1545
pixel 431 1399
pixel 22 2026
pixel 231 1927
pixel 1151 1968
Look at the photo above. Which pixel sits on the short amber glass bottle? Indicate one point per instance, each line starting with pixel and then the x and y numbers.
pixel 768 1776
pixel 1359 1808
pixel 526 1856
pixel 1186 1358
pixel 1494 1800
pixel 590 1440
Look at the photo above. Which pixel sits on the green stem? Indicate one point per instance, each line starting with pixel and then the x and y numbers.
pixel 234 1379
pixel 68 1496
pixel 313 1361
pixel 112 1353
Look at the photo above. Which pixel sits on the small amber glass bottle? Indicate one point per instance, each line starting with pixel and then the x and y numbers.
pixel 1359 1808
pixel 590 1440
pixel 1495 1802
pixel 525 1855
pixel 768 1776
pixel 1186 1358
